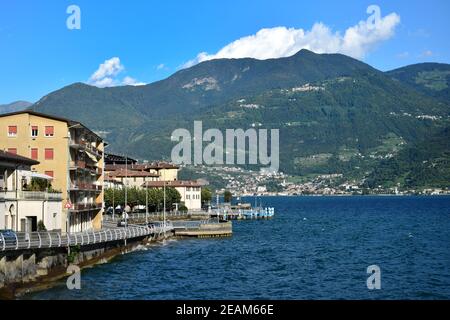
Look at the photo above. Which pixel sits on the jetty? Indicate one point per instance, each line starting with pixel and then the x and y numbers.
pixel 203 229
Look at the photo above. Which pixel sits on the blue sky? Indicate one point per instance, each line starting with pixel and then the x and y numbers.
pixel 153 39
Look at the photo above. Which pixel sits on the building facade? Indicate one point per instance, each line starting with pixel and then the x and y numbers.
pixel 21 209
pixel 68 152
pixel 190 191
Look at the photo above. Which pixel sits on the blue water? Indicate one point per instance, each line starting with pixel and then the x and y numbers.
pixel 315 248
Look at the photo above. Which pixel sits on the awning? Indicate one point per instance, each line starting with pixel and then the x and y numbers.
pixel 90 155
pixel 38 175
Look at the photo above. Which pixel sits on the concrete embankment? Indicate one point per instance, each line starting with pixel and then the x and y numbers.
pixel 24 271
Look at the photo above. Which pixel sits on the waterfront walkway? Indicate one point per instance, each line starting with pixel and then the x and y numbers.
pixel 52 239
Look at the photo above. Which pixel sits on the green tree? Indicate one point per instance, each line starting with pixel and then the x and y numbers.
pixel 227 196
pixel 206 195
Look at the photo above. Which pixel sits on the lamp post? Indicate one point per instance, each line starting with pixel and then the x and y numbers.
pixel 126 208
pixel 164 210
pixel 146 203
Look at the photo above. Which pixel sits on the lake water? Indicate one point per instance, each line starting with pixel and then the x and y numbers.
pixel 314 248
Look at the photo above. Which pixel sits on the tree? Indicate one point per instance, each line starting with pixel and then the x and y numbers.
pixel 206 195
pixel 136 196
pixel 227 196
pixel 41 226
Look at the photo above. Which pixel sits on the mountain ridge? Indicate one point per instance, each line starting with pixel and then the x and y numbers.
pixel 327 106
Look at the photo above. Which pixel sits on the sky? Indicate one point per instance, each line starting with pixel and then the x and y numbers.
pixel 46 45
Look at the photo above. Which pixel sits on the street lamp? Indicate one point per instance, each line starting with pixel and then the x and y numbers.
pixel 146 203
pixel 164 210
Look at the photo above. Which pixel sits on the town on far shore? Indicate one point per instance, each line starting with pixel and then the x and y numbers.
pixel 56 175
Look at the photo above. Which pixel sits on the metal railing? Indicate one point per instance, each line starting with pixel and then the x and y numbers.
pixel 52 239
pixel 143 215
pixel 192 224
pixel 31 195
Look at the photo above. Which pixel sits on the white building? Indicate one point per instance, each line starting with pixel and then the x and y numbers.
pixel 190 191
pixel 21 210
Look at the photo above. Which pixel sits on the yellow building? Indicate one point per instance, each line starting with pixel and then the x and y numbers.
pixel 163 171
pixel 67 151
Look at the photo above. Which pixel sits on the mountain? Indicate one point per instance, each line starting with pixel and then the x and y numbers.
pixel 432 79
pixel 14 106
pixel 335 113
pixel 425 164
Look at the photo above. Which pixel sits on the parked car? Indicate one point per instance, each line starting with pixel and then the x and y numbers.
pixel 9 236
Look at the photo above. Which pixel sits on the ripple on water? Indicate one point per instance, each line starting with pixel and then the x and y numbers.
pixel 315 248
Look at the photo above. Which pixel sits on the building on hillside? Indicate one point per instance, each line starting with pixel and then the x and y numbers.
pixel 20 208
pixel 68 152
pixel 129 178
pixel 190 191
pixel 166 171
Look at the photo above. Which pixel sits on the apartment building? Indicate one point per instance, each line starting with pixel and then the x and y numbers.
pixel 129 178
pixel 164 170
pixel 68 152
pixel 21 209
pixel 190 191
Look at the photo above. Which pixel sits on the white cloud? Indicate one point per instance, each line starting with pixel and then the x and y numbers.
pixel 129 81
pixel 403 55
pixel 279 42
pixel 110 67
pixel 426 53
pixel 160 66
pixel 107 72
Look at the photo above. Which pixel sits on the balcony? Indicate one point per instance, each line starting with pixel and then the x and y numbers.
pixel 77 164
pixel 85 145
pixel 85 186
pixel 86 206
pixel 31 195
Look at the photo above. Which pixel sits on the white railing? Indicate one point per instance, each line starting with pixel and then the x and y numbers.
pixel 51 239
pixel 31 195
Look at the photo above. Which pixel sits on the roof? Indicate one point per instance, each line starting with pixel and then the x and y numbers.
pixel 175 184
pixel 15 158
pixel 141 166
pixel 131 173
pixel 49 116
pixel 117 159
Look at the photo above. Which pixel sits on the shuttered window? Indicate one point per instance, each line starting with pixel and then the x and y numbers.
pixel 34 131
pixel 49 131
pixel 12 131
pixel 48 154
pixel 34 153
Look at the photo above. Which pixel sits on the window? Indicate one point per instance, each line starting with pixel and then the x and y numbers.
pixel 12 131
pixel 49 173
pixel 49 131
pixel 12 150
pixel 187 197
pixel 34 131
pixel 48 154
pixel 34 153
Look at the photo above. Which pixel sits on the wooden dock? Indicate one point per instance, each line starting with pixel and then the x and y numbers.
pixel 202 229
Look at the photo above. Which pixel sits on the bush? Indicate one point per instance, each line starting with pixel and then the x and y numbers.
pixel 41 226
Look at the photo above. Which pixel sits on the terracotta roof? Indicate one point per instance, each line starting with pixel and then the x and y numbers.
pixel 175 183
pixel 131 173
pixel 141 166
pixel 15 158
